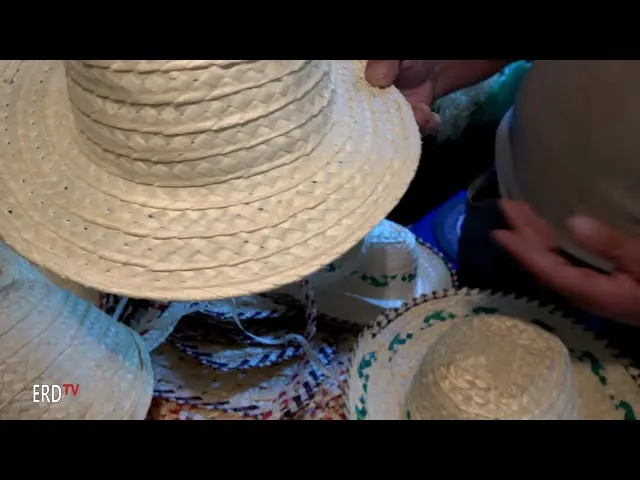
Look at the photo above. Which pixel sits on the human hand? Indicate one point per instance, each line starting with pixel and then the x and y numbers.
pixel 414 79
pixel 531 242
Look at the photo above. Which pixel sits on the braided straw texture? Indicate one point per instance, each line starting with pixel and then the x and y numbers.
pixel 388 354
pixel 492 366
pixel 269 392
pixel 196 180
pixel 51 337
pixel 393 267
pixel 310 397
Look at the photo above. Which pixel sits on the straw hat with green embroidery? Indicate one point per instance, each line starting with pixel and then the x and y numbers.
pixel 390 267
pixel 477 355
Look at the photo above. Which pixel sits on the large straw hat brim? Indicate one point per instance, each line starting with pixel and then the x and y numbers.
pixel 240 237
pixel 388 354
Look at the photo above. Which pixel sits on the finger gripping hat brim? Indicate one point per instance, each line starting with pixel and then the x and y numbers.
pixel 243 236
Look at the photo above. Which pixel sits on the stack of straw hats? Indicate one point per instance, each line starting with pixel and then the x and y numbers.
pixel 182 180
pixel 205 180
pixel 211 369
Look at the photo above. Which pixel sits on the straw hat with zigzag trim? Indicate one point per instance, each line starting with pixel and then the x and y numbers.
pixel 475 355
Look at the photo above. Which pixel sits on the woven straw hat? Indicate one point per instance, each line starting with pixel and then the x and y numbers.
pixel 293 389
pixel 476 355
pixel 229 348
pixel 250 307
pixel 197 179
pixel 393 267
pixel 269 392
pixel 49 336
pixel 90 295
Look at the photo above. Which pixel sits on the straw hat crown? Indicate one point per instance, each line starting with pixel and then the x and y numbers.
pixel 51 337
pixel 495 368
pixel 391 256
pixel 198 122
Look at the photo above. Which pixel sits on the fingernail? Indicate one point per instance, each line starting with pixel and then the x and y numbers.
pixel 584 226
pixel 377 73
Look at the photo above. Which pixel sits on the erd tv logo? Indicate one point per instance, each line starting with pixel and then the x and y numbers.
pixel 53 393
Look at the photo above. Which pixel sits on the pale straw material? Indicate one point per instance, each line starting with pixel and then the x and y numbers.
pixel 268 392
pixel 392 267
pixel 49 336
pixel 183 394
pixel 474 355
pixel 494 367
pixel 253 307
pixel 90 295
pixel 197 179
pixel 224 356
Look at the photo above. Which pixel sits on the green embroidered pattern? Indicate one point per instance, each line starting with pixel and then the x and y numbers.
pixel 596 367
pixel 409 277
pixel 396 342
pixel 383 281
pixel 361 410
pixel 379 282
pixel 332 267
pixel 437 316
pixel 628 411
pixel 599 370
pixel 365 363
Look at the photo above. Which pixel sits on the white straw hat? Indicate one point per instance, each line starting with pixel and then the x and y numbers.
pixel 393 267
pixel 49 336
pixel 197 179
pixel 476 355
pixel 90 295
